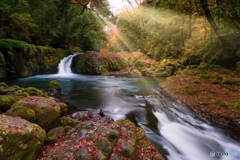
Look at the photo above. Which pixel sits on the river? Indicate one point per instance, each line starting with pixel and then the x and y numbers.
pixel 175 132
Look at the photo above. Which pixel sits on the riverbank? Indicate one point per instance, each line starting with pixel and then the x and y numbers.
pixel 211 93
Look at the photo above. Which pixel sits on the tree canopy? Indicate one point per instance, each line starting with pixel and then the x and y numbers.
pixel 59 23
pixel 171 28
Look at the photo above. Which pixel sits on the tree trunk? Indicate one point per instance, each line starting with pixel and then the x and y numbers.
pixel 210 19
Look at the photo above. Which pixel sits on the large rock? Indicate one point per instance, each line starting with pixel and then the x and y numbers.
pixel 20 139
pixel 53 88
pixel 23 112
pixel 98 62
pixel 96 137
pixel 47 110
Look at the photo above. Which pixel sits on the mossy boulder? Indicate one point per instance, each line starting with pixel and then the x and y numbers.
pixel 97 63
pixel 5 90
pixel 47 110
pixel 5 102
pixel 68 121
pixel 23 112
pixel 53 87
pixel 54 84
pixel 20 95
pixel 54 134
pixel 3 85
pixel 32 91
pixel 170 70
pixel 20 139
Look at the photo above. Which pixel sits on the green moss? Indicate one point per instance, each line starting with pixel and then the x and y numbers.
pixel 23 73
pixel 5 102
pixel 3 85
pixel 99 63
pixel 23 112
pixel 20 95
pixel 32 91
pixel 15 45
pixel 215 80
pixel 47 110
pixel 237 105
pixel 54 84
pixel 222 104
pixel 20 139
pixel 67 121
pixel 63 108
pixel 15 86
pixel 226 80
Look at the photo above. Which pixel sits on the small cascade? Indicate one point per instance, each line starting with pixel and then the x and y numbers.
pixel 64 67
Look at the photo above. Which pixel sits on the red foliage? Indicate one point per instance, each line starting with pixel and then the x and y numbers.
pixel 214 100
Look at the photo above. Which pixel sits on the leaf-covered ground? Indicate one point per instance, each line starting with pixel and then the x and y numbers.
pixel 215 93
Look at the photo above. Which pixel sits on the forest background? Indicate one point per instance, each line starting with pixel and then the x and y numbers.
pixel 157 28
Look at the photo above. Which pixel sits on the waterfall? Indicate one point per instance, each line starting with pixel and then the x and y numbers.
pixel 64 67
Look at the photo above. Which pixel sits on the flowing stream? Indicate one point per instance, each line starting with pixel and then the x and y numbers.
pixel 169 126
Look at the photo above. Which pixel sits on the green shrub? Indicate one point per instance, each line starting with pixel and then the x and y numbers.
pixel 17 46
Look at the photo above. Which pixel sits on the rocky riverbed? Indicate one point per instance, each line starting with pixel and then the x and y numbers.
pixel 34 126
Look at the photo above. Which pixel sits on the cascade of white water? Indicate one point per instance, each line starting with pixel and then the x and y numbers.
pixel 64 67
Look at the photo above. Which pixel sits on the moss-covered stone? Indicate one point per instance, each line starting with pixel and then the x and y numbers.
pixel 7 90
pixel 104 145
pixel 20 95
pixel 23 112
pixel 67 121
pixel 47 110
pixel 32 91
pixel 170 70
pixel 63 108
pixel 54 84
pixel 83 154
pixel 5 102
pixel 3 85
pixel 53 87
pixel 20 139
pixel 98 62
pixel 102 140
pixel 54 134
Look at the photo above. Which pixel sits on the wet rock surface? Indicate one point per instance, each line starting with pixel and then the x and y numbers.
pixel 97 137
